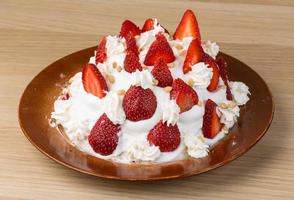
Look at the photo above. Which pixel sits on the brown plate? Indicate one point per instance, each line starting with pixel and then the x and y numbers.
pixel 37 101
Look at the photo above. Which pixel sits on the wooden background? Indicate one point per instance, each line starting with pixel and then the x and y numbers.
pixel 34 33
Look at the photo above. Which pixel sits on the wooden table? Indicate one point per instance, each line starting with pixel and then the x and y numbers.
pixel 34 33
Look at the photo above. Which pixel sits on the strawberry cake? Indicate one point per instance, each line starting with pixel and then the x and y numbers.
pixel 150 97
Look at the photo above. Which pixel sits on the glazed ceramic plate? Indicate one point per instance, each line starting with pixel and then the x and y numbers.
pixel 36 104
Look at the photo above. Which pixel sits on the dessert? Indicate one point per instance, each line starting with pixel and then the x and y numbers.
pixel 148 97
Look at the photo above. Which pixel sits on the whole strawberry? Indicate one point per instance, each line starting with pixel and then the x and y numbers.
pixel 167 138
pixel 103 137
pixel 139 103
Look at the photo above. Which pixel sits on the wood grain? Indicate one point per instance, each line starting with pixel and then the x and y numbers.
pixel 34 33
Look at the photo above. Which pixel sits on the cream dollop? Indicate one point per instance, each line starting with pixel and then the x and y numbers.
pixel 211 48
pixel 112 106
pixel 228 113
pixel 201 75
pixel 115 45
pixel 143 151
pixel 142 78
pixel 240 92
pixel 195 145
pixel 178 46
pixel 170 112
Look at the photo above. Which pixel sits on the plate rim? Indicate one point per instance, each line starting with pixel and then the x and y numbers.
pixel 159 178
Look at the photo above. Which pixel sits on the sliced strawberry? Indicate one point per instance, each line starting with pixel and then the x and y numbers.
pixel 188 27
pixel 184 95
pixel 223 70
pixel 215 77
pixel 148 25
pixel 139 103
pixel 131 62
pixel 129 27
pixel 131 44
pixel 159 49
pixel 211 122
pixel 103 137
pixel 194 55
pixel 93 81
pixel 101 51
pixel 167 138
pixel 162 73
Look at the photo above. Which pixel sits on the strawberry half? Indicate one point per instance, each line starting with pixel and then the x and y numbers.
pixel 93 81
pixel 184 95
pixel 129 27
pixel 162 73
pixel 103 137
pixel 211 122
pixel 131 44
pixel 148 25
pixel 167 138
pixel 194 55
pixel 139 103
pixel 188 27
pixel 101 51
pixel 215 77
pixel 223 70
pixel 159 49
pixel 131 62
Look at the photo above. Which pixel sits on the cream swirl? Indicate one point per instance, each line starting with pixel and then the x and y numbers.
pixel 112 107
pixel 114 45
pixel 228 113
pixel 195 145
pixel 240 92
pixel 211 48
pixel 170 112
pixel 201 75
pixel 143 151
pixel 142 78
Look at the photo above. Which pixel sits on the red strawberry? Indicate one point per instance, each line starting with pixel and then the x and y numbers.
pixel 129 27
pixel 148 25
pixel 167 138
pixel 223 70
pixel 93 81
pixel 215 77
pixel 159 49
pixel 131 62
pixel 194 55
pixel 211 122
pixel 103 137
pixel 101 51
pixel 139 103
pixel 131 44
pixel 162 73
pixel 188 27
pixel 184 95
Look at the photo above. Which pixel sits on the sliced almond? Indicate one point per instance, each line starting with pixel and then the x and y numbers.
pixel 155 81
pixel 171 65
pixel 121 92
pixel 179 47
pixel 223 105
pixel 110 78
pixel 199 103
pixel 168 88
pixel 118 68
pixel 183 53
pixel 232 104
pixel 114 65
pixel 191 82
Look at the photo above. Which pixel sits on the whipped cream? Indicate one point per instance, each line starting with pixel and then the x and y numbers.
pixel 196 146
pixel 142 78
pixel 112 107
pixel 211 48
pixel 201 75
pixel 170 112
pixel 79 113
pixel 228 113
pixel 240 92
